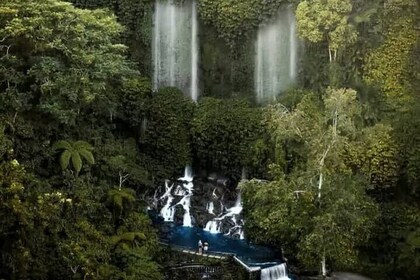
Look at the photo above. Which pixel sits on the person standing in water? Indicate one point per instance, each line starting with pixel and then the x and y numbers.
pixel 200 247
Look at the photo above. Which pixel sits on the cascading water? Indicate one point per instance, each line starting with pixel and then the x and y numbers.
pixel 175 46
pixel 167 211
pixel 277 272
pixel 185 202
pixel 276 56
pixel 209 210
pixel 215 225
pixel 210 207
pixel 184 189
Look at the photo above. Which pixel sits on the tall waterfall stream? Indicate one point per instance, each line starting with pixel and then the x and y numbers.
pixel 276 56
pixel 175 46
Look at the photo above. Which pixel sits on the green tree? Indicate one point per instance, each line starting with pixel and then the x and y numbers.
pixel 326 20
pixel 63 75
pixel 389 66
pixel 376 154
pixel 166 138
pixel 317 184
pixel 74 60
pixel 225 134
pixel 234 20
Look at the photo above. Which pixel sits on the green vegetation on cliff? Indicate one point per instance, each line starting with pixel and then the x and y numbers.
pixel 84 138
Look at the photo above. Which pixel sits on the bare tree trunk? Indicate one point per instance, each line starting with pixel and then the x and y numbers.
pixel 74 269
pixel 330 54
pixel 321 177
pixel 323 266
pixel 123 178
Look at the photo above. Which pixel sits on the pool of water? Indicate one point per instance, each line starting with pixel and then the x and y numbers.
pixel 251 254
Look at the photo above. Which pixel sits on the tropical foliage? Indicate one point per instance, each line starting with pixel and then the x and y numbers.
pixel 84 139
pixel 75 152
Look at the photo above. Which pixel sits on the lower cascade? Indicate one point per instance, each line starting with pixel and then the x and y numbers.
pixel 215 209
pixel 233 213
pixel 277 272
pixel 183 190
pixel 209 210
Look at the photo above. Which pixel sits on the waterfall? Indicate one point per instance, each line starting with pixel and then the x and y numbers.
pixel 292 47
pixel 243 174
pixel 175 46
pixel 210 207
pixel 185 202
pixel 277 272
pixel 184 189
pixel 188 174
pixel 215 225
pixel 194 53
pixel 222 219
pixel 276 56
pixel 167 211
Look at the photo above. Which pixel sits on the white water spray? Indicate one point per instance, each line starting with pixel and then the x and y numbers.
pixel 167 211
pixel 210 207
pixel 185 202
pixel 277 272
pixel 215 226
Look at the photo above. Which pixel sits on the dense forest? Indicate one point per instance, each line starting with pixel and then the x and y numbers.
pixel 85 138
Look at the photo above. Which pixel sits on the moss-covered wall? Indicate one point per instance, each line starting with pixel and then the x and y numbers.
pixel 225 72
pixel 136 16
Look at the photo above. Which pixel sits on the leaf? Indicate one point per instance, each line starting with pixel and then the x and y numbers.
pixel 62 144
pixel 76 161
pixel 88 156
pixel 65 159
pixel 82 145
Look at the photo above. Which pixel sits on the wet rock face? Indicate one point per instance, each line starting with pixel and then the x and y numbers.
pixel 208 200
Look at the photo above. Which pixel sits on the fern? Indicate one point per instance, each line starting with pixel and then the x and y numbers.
pixel 121 198
pixel 74 151
pixel 128 239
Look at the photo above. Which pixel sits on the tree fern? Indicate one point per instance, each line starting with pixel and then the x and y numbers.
pixel 74 151
pixel 120 199
pixel 128 239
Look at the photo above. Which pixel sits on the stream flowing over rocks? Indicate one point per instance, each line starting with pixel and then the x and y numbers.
pixel 210 204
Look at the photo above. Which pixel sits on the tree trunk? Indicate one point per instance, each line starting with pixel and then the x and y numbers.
pixel 330 54
pixel 321 176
